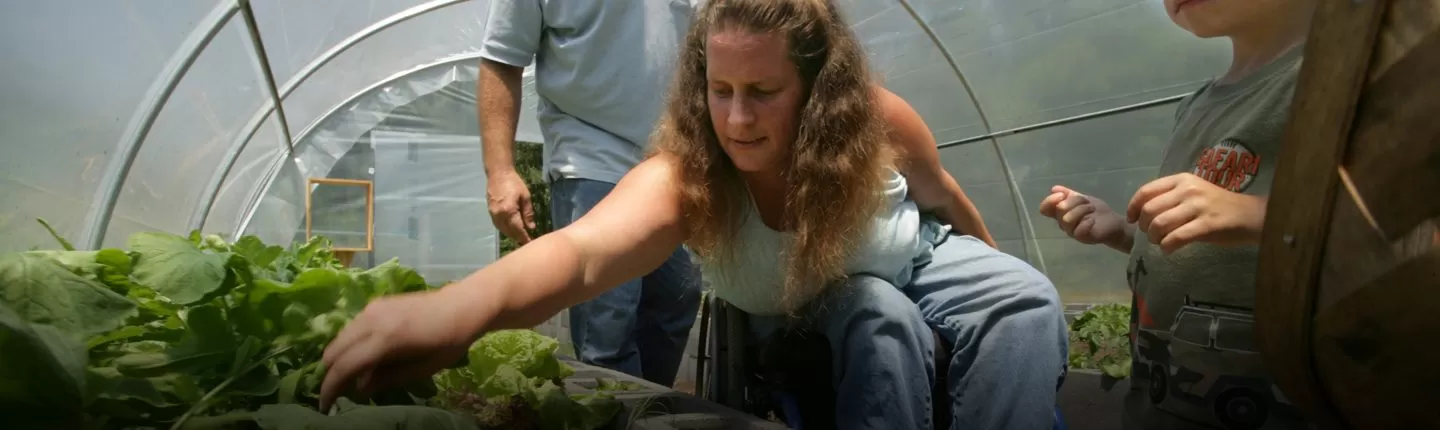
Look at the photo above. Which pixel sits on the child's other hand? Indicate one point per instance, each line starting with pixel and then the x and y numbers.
pixel 1087 219
pixel 1182 208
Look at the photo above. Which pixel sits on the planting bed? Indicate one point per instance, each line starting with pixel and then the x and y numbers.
pixel 648 406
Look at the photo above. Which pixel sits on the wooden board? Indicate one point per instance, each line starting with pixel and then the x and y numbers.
pixel 1348 271
pixel 368 186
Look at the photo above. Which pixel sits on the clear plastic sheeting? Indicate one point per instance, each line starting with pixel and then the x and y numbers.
pixel 445 32
pixel 297 32
pixel 417 139
pixel 1031 61
pixel 193 131
pixel 908 63
pixel 240 185
pixel 74 73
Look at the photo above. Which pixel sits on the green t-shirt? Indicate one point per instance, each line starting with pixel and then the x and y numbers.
pixel 1195 360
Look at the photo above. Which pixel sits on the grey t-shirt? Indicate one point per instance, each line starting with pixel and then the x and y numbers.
pixel 602 68
pixel 1195 361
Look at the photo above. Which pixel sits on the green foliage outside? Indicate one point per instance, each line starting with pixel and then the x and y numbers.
pixel 1100 339
pixel 199 333
pixel 530 165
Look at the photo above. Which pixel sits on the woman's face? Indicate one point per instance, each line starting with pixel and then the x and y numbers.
pixel 754 93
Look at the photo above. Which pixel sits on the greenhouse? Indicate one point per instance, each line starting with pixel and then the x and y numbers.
pixel 183 130
pixel 356 121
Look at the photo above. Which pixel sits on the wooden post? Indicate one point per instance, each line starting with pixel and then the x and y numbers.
pixel 345 257
pixel 1348 267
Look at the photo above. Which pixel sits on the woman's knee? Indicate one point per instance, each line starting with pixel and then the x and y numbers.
pixel 869 306
pixel 971 287
pixel 867 295
pixel 1020 281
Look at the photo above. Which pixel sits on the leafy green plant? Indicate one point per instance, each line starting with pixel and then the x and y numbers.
pixel 1100 339
pixel 531 167
pixel 515 381
pixel 196 332
pixel 176 327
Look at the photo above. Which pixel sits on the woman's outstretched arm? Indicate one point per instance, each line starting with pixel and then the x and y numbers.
pixel 628 234
pixel 932 188
pixel 401 338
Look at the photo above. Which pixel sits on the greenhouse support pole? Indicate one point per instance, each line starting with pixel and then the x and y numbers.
pixel 212 190
pixel 263 64
pixel 1027 229
pixel 276 106
pixel 1062 121
pixel 98 218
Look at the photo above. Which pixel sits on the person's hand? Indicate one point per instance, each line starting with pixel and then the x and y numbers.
pixel 396 340
pixel 510 208
pixel 1179 209
pixel 1085 218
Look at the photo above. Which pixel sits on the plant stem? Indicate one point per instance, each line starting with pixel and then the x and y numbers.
pixel 223 385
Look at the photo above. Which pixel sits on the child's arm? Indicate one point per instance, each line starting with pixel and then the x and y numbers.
pixel 1088 219
pixel 932 188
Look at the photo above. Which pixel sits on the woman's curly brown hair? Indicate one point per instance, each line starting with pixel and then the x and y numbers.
pixel 838 162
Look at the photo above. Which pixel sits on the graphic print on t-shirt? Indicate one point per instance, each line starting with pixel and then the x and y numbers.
pixel 1194 357
pixel 1230 164
pixel 1204 368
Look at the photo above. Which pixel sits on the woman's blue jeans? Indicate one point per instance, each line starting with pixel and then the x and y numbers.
pixel 1003 318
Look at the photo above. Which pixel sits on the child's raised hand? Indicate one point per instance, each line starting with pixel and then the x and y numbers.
pixel 1087 219
pixel 1182 208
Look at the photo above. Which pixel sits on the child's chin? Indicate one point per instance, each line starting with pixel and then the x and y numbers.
pixel 1202 26
pixel 1202 31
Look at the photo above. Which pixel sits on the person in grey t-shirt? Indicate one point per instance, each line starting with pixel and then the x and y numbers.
pixel 601 70
pixel 1193 233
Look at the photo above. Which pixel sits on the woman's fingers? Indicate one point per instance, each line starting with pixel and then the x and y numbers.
pixel 361 356
pixel 401 372
pixel 355 330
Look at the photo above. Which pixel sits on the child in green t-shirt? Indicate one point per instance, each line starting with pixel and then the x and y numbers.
pixel 1193 234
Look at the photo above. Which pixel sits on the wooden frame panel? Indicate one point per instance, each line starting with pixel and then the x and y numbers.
pixel 1337 59
pixel 369 186
pixel 1349 278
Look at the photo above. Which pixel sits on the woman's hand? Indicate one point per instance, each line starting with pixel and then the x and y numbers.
pixel 1086 219
pixel 397 339
pixel 1179 209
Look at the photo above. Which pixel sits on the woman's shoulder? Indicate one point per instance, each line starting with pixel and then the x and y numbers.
pixel 654 180
pixel 660 166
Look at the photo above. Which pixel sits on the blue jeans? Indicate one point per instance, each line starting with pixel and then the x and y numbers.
pixel 1003 318
pixel 641 326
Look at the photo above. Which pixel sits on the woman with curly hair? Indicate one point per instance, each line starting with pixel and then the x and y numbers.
pixel 811 197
